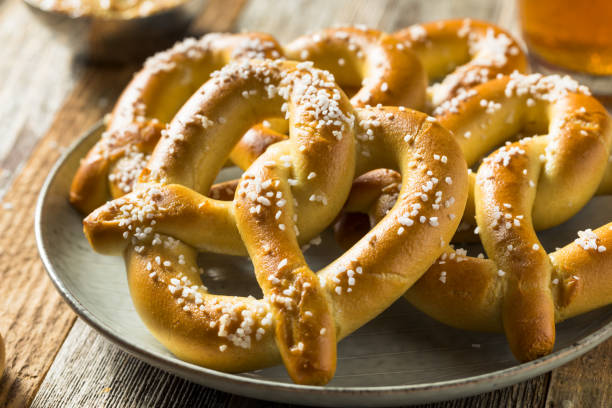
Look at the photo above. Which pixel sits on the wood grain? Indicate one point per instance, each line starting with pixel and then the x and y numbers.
pixel 35 321
pixel 30 92
pixel 584 382
pixel 112 378
pixel 289 19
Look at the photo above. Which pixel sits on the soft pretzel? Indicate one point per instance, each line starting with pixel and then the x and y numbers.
pixel 484 118
pixel 148 103
pixel 461 54
pixel 391 76
pixel 377 66
pixel 165 220
pixel 370 64
pixel 535 183
pixel 388 69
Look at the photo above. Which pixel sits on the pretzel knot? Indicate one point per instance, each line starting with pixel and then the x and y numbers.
pixel 376 67
pixel 148 103
pixel 284 199
pixel 393 69
pixel 535 183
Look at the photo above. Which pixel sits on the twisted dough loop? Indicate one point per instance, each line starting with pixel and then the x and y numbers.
pixel 468 293
pixel 545 180
pixel 169 78
pixel 462 53
pixel 369 63
pixel 301 315
pixel 486 117
pixel 148 103
pixel 532 184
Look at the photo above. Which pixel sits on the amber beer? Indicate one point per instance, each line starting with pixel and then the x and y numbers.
pixel 572 34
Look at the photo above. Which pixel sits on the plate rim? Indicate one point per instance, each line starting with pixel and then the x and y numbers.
pixel 495 379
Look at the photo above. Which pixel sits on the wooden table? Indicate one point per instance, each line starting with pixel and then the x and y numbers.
pixel 48 98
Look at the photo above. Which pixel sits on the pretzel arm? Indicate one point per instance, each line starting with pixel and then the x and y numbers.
pixel 255 142
pixel 462 53
pixel 467 292
pixel 150 101
pixel 605 188
pixel 196 326
pixel 175 211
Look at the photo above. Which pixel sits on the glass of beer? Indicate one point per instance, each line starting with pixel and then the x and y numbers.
pixel 572 36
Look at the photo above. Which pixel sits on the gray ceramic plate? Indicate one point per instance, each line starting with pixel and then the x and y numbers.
pixel 401 357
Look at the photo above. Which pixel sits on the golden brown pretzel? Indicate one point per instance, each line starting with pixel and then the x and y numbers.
pixel 461 54
pixel 490 125
pixel 535 183
pixel 370 64
pixel 486 127
pixel 388 69
pixel 148 103
pixel 165 220
pixel 139 116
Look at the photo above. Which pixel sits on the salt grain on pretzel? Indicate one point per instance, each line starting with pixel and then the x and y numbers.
pixel 475 294
pixel 384 69
pixel 367 62
pixel 302 314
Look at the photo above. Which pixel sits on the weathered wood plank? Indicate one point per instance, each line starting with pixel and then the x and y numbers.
pixel 35 320
pixel 584 382
pixel 114 379
pixel 37 74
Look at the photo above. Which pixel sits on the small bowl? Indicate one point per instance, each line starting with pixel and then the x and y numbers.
pixel 116 37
